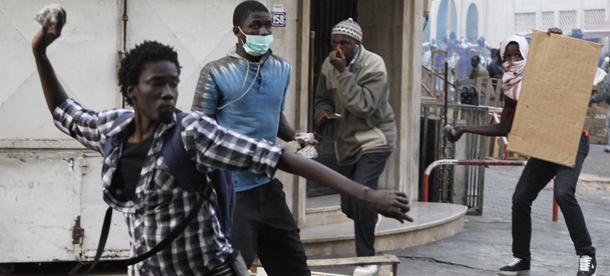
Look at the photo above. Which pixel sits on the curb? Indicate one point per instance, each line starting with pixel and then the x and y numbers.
pixel 597 182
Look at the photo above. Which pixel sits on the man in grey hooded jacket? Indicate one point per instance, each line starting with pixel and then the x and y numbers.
pixel 354 83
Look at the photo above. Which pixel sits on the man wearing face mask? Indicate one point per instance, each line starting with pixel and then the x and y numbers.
pixel 245 92
pixel 537 173
pixel 353 83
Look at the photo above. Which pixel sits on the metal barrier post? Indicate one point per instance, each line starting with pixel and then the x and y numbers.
pixel 555 205
pixel 464 162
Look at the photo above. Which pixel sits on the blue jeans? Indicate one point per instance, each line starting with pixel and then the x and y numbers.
pixel 536 174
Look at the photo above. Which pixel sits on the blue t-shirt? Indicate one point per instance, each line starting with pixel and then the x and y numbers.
pixel 222 84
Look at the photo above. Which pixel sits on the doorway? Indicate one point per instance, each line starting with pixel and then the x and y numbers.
pixel 324 15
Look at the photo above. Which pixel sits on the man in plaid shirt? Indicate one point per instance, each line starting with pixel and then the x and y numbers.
pixel 137 182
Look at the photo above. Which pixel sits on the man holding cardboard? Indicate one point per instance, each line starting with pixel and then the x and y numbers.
pixel 537 173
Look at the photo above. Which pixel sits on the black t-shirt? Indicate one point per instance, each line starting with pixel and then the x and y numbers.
pixel 130 165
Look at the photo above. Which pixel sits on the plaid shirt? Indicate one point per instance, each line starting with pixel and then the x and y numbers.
pixel 160 202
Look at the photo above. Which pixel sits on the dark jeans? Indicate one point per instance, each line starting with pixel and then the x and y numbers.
pixel 366 172
pixel 264 226
pixel 535 176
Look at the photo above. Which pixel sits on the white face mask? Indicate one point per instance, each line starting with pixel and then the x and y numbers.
pixel 514 66
pixel 257 45
pixel 512 78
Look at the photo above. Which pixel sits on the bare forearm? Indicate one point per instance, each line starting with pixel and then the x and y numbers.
pixel 53 90
pixel 285 132
pixel 317 172
pixel 488 130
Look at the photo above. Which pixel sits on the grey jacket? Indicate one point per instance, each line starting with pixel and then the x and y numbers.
pixel 360 95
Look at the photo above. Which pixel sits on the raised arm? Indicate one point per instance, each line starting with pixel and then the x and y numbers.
pixel 391 204
pixel 53 91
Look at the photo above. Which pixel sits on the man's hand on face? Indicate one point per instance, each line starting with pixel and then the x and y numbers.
pixel 338 60
pixel 44 38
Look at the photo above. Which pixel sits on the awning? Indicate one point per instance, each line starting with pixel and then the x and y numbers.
pixel 599 31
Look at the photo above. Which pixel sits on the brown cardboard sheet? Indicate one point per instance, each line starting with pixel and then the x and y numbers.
pixel 552 106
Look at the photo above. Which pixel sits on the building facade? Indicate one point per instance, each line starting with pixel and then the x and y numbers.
pixel 494 20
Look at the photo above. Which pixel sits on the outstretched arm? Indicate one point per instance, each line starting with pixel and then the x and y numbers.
pixel 391 204
pixel 53 91
pixel 500 129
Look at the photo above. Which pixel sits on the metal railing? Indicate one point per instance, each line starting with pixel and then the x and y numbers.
pixel 460 186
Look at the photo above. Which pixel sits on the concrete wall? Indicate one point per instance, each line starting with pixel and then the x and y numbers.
pixel 392 29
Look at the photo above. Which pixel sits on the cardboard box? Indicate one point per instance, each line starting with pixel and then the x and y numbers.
pixel 552 106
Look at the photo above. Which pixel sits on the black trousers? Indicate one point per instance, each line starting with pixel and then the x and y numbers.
pixel 536 174
pixel 264 226
pixel 366 172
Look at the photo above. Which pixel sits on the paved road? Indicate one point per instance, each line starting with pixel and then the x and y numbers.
pixel 485 243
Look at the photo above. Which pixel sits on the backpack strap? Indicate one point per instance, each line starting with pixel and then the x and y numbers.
pixel 177 160
pixel 186 174
pixel 177 231
pixel 111 143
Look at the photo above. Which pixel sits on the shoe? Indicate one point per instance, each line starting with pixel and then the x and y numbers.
pixel 367 270
pixel 586 265
pixel 517 266
pixel 606 150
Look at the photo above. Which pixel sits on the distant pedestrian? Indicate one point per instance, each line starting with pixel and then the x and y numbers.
pixel 537 173
pixel 478 71
pixel 495 67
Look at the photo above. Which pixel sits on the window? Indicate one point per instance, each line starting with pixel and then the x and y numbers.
pixel 472 22
pixel 594 18
pixel 567 20
pixel 548 20
pixel 525 22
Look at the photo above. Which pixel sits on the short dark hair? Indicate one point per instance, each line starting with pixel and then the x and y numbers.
pixel 477 58
pixel 135 60
pixel 244 9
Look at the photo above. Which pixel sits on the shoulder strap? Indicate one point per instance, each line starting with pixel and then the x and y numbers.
pixel 110 142
pixel 186 174
pixel 177 231
pixel 177 160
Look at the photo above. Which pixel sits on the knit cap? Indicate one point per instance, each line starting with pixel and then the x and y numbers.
pixel 348 27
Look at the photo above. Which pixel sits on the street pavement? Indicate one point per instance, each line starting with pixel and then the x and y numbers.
pixel 485 243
